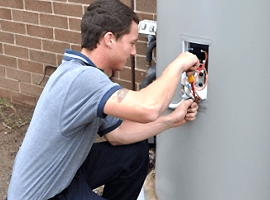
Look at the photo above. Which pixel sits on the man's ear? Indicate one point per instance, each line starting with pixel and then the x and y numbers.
pixel 109 39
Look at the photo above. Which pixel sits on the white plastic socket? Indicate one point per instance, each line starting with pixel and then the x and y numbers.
pixel 147 27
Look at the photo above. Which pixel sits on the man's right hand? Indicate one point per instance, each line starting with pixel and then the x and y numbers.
pixel 188 61
pixel 149 103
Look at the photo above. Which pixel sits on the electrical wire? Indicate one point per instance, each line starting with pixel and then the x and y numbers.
pixel 192 79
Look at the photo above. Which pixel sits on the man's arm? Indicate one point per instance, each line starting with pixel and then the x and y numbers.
pixel 131 132
pixel 149 103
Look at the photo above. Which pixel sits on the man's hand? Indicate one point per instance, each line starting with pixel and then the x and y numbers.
pixel 186 111
pixel 188 61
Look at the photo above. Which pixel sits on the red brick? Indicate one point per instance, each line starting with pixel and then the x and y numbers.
pixel 1 48
pixel 41 6
pixel 139 76
pixel 31 89
pixel 18 75
pixel 2 71
pixel 57 47
pixel 146 5
pixel 40 31
pixel 67 9
pixel 137 86
pixel 123 83
pixel 7 37
pixel 4 93
pixel 24 16
pixel 75 24
pixel 83 1
pixel 141 62
pixel 53 20
pixel 23 98
pixel 8 61
pixel 76 47
pixel 141 47
pixel 142 38
pixel 12 3
pixel 14 27
pixel 5 13
pixel 127 2
pixel 129 62
pixel 126 74
pixel 36 78
pixel 9 83
pixel 143 16
pixel 85 8
pixel 116 74
pixel 43 57
pixel 16 51
pixel 68 36
pixel 49 69
pixel 59 59
pixel 27 41
pixel 30 66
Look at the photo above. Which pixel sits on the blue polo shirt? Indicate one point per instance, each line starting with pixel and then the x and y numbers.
pixel 67 118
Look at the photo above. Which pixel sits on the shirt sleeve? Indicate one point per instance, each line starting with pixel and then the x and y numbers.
pixel 85 99
pixel 109 124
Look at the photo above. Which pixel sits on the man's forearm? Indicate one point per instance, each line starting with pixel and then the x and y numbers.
pixel 131 132
pixel 148 104
pixel 162 90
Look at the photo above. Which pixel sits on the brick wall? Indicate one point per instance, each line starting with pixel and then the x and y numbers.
pixel 34 34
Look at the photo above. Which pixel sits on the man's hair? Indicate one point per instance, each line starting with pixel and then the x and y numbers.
pixel 105 16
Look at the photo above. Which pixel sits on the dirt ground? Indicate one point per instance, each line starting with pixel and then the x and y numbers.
pixel 14 121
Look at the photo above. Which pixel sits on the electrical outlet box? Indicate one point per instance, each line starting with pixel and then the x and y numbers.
pixel 148 27
pixel 199 87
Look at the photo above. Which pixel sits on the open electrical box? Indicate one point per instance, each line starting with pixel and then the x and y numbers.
pixel 195 86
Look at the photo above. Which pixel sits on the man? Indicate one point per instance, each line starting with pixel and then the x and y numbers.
pixel 58 159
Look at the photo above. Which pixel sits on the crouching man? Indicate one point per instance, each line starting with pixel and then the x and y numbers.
pixel 58 159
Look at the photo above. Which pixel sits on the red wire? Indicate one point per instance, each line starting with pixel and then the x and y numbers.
pixel 201 68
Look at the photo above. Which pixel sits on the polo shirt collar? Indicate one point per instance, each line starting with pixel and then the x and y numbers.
pixel 74 55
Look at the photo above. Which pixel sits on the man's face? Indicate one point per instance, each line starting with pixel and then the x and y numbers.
pixel 125 46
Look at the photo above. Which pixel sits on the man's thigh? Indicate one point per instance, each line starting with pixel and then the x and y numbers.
pixel 104 164
pixel 77 190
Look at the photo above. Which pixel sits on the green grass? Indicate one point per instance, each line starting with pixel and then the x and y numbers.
pixel 10 118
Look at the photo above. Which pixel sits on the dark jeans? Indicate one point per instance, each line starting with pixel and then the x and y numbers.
pixel 122 169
